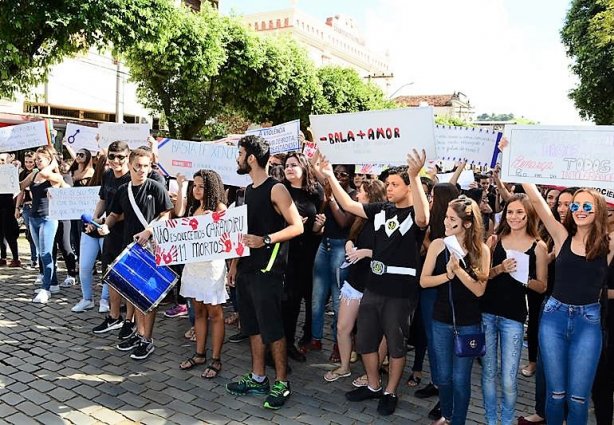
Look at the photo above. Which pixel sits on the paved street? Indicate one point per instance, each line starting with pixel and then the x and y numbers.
pixel 54 370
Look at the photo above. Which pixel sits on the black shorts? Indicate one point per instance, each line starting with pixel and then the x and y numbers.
pixel 380 315
pixel 259 296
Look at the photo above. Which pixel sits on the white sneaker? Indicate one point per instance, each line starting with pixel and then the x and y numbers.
pixel 104 306
pixel 42 297
pixel 39 279
pixel 68 282
pixel 82 305
pixel 54 289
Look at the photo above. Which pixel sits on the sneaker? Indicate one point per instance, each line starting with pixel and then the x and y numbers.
pixel 83 305
pixel 278 395
pixel 435 413
pixel 362 393
pixel 109 324
pixel 42 297
pixel 15 263
pixel 246 385
pixel 238 337
pixel 54 289
pixel 127 330
pixel 129 344
pixel 68 282
pixel 429 391
pixel 180 310
pixel 313 345
pixel 104 306
pixel 387 404
pixel 144 349
pixel 39 280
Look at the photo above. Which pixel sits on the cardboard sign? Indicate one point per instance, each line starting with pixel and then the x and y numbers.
pixel 361 137
pixel 81 137
pixel 476 145
pixel 182 156
pixel 9 179
pixel 134 134
pixel 201 238
pixel 282 137
pixel 559 155
pixel 68 203
pixel 25 136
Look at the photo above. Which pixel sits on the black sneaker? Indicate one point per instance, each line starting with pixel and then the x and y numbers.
pixel 109 324
pixel 130 343
pixel 143 350
pixel 246 385
pixel 127 330
pixel 435 412
pixel 238 337
pixel 278 395
pixel 363 393
pixel 387 404
pixel 429 391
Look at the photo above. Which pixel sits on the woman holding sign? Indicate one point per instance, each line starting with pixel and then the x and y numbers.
pixel 81 172
pixel 204 281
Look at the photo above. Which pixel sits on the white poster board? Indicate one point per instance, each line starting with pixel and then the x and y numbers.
pixel 68 203
pixel 559 155
pixel 375 169
pixel 9 179
pixel 134 134
pixel 386 135
pixel 81 137
pixel 282 137
pixel 24 136
pixel 464 180
pixel 201 238
pixel 475 145
pixel 185 157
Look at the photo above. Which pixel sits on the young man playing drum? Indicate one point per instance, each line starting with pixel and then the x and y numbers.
pixel 139 202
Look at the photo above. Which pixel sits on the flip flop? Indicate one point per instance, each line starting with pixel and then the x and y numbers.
pixel 333 375
pixel 361 381
pixel 413 380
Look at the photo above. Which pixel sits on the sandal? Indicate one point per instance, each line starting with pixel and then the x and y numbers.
pixel 231 319
pixel 190 333
pixel 215 366
pixel 413 380
pixel 333 375
pixel 361 381
pixel 528 370
pixel 191 362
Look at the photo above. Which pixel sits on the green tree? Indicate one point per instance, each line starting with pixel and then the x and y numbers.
pixel 452 121
pixel 588 35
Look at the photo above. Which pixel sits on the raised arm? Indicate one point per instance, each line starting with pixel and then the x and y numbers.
pixel 180 204
pixel 553 226
pixel 415 162
pixel 459 170
pixel 344 200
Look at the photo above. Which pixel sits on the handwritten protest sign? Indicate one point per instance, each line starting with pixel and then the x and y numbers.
pixel 560 155
pixel 134 134
pixel 608 194
pixel 212 236
pixel 282 137
pixel 464 180
pixel 376 169
pixel 358 138
pixel 82 137
pixel 310 149
pixel 68 203
pixel 25 136
pixel 181 156
pixel 476 145
pixel 9 179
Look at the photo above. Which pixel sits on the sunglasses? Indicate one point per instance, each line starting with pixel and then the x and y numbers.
pixel 113 157
pixel 587 207
pixel 341 174
pixel 81 154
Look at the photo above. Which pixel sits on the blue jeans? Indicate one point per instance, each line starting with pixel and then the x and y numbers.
pixel 453 372
pixel 25 213
pixel 427 305
pixel 43 231
pixel 90 248
pixel 570 346
pixel 326 274
pixel 509 335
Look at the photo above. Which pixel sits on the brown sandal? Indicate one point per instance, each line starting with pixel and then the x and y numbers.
pixel 215 366
pixel 191 362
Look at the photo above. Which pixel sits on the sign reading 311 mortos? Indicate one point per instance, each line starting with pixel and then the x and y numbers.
pixel 559 155
pixel 212 236
pixel 385 136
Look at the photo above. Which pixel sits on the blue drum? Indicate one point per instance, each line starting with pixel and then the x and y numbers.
pixel 136 277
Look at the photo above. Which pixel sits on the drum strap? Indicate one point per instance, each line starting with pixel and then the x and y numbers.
pixel 135 207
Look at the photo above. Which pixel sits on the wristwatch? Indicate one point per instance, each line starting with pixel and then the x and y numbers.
pixel 267 240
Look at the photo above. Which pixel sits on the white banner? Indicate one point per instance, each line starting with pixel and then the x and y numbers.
pixel 68 203
pixel 9 179
pixel 24 136
pixel 81 137
pixel 559 155
pixel 281 138
pixel 476 145
pixel 201 238
pixel 134 134
pixel 387 135
pixel 182 156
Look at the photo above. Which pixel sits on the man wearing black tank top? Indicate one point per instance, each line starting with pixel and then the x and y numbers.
pixel 272 220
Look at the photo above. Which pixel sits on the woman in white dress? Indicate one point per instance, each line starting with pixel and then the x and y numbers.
pixel 204 282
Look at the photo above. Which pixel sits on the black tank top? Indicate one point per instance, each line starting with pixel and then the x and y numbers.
pixel 504 295
pixel 262 220
pixel 40 202
pixel 578 281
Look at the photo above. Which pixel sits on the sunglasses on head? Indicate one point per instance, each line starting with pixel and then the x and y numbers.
pixel 113 156
pixel 341 174
pixel 587 207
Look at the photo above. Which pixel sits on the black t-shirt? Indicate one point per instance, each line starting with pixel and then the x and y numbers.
pixel 332 230
pixel 396 243
pixel 155 176
pixel 27 196
pixel 108 188
pixel 307 205
pixel 358 274
pixel 151 198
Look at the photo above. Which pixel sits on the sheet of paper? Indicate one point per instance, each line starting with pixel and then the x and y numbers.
pixel 454 247
pixel 522 265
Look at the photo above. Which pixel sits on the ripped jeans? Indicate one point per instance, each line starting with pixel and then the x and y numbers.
pixel 508 335
pixel 569 345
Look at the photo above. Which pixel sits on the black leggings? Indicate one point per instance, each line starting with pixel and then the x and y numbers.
pixel 9 230
pixel 603 386
pixel 298 284
pixel 535 302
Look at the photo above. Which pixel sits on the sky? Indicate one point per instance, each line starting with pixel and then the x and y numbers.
pixel 504 55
